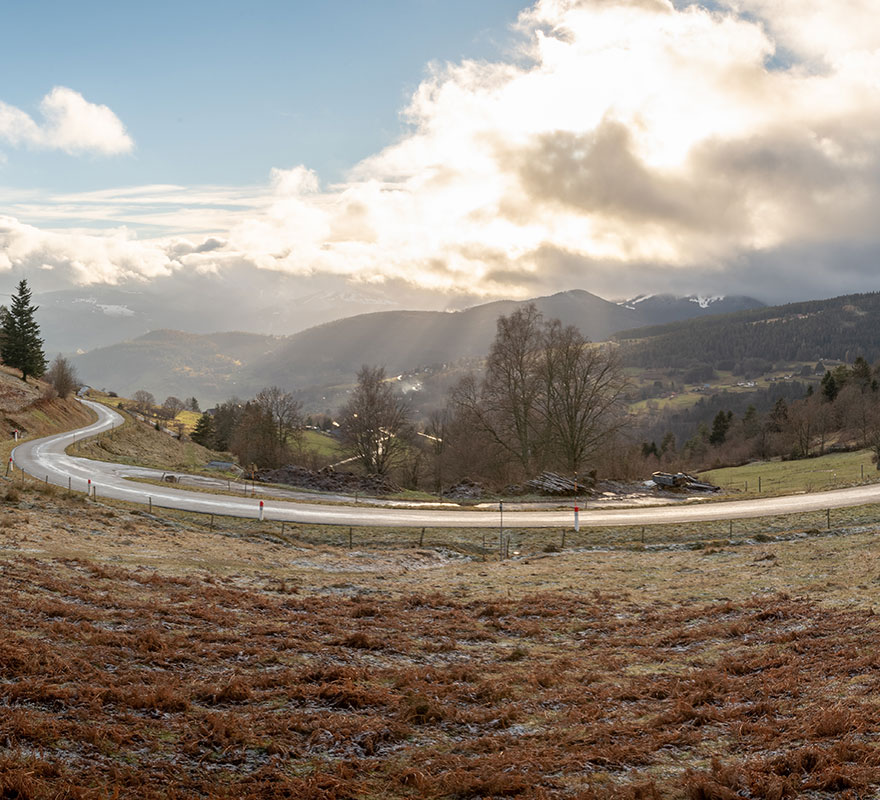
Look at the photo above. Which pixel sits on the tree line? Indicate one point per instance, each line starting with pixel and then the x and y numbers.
pixel 842 328
pixel 547 399
pixel 843 411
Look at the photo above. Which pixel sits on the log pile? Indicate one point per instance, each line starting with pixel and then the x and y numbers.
pixel 683 481
pixel 551 483
pixel 465 489
pixel 328 480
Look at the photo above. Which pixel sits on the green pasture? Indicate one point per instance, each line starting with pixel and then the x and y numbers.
pixel 832 471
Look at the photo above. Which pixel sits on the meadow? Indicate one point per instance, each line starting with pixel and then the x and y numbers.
pixel 158 656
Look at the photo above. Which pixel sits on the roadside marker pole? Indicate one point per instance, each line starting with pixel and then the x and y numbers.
pixel 500 530
pixel 261 510
pixel 89 488
pixel 577 521
pixel 9 466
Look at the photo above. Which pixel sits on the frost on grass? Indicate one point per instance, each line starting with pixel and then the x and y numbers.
pixel 117 682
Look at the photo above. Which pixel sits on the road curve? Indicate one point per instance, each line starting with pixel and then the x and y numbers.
pixel 45 459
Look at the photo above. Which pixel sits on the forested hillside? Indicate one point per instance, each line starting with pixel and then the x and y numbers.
pixel 842 328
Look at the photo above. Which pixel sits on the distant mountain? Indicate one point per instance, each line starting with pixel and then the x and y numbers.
pixel 215 366
pixel 658 309
pixel 207 366
pixel 78 320
pixel 841 328
pixel 402 340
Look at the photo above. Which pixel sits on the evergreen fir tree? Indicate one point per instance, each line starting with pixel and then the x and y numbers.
pixel 21 346
pixel 204 433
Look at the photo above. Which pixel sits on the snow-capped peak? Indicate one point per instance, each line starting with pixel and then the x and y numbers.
pixel 705 302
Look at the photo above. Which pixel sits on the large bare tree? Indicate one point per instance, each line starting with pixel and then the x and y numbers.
pixel 505 403
pixel 285 412
pixel 172 407
pixel 372 421
pixel 548 398
pixel 581 402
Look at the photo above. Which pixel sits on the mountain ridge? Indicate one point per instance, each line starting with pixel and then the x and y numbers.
pixel 214 366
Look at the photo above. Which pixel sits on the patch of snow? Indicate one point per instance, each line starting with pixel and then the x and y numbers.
pixel 634 301
pixel 705 301
pixel 116 311
pixel 109 310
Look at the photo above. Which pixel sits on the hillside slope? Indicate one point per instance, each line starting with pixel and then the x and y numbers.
pixel 32 410
pixel 207 366
pixel 402 340
pixel 841 328
pixel 213 367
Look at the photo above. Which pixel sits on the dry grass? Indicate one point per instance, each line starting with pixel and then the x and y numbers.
pixel 127 683
pixel 152 658
pixel 139 443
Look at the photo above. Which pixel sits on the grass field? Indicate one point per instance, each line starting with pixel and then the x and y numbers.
pixel 152 657
pixel 178 656
pixel 322 444
pixel 831 471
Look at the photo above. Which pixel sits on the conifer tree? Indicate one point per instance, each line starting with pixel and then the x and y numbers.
pixel 21 346
pixel 204 433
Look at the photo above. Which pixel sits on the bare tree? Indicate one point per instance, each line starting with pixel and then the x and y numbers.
pixel 436 433
pixel 172 407
pixel 548 396
pixel 581 405
pixel 284 411
pixel 372 420
pixel 62 376
pixel 506 403
pixel 143 401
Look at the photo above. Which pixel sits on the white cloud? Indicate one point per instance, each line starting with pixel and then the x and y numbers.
pixel 81 257
pixel 627 135
pixel 70 123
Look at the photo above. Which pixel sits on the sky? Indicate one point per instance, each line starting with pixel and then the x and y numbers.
pixel 437 152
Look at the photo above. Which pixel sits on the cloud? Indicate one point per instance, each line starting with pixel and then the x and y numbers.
pixel 627 145
pixel 80 257
pixel 70 123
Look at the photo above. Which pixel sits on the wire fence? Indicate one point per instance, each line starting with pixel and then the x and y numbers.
pixel 502 543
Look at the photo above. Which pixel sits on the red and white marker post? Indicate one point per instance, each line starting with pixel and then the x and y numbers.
pixel 261 510
pixel 577 522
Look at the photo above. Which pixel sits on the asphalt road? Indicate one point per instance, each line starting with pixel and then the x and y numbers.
pixel 45 459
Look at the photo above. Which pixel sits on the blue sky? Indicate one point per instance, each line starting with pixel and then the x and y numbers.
pixel 222 92
pixel 443 152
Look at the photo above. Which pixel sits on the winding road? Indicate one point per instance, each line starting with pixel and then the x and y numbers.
pixel 45 459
